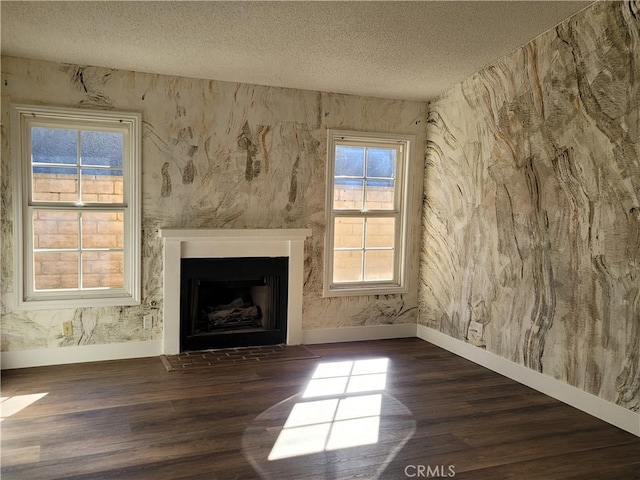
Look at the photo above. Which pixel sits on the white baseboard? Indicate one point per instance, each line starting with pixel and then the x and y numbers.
pixel 85 353
pixel 357 334
pixel 596 406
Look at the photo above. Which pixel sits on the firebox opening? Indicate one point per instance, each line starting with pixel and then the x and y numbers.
pixel 233 302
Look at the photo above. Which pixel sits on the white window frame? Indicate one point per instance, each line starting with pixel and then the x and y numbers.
pixel 23 118
pixel 398 284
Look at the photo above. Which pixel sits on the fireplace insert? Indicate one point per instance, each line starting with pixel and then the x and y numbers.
pixel 233 302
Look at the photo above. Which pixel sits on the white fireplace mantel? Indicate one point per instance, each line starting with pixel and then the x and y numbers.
pixel 230 243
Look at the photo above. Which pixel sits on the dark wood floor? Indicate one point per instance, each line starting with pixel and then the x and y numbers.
pixel 441 415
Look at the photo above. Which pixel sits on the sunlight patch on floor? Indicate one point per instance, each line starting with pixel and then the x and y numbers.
pixel 348 419
pixel 11 405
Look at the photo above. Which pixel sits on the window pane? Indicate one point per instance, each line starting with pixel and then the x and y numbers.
pixel 349 161
pixel 102 148
pixel 380 195
pixel 378 265
pixel 349 232
pixel 381 162
pixel 102 269
pixel 347 266
pixel 54 184
pixel 347 194
pixel 102 230
pixel 380 232
pixel 102 185
pixel 54 145
pixel 54 270
pixel 55 229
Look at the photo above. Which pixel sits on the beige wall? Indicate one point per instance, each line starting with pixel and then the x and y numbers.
pixel 214 155
pixel 531 221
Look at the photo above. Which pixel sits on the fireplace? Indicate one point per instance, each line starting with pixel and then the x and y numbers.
pixel 233 302
pixel 180 244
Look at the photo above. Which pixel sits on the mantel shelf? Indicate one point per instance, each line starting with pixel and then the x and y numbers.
pixel 229 234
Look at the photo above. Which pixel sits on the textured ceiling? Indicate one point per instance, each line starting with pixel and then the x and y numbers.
pixel 406 50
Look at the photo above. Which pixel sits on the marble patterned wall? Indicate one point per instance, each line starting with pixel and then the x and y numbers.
pixel 531 210
pixel 214 155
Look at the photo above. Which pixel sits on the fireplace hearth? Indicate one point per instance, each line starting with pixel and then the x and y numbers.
pixel 233 302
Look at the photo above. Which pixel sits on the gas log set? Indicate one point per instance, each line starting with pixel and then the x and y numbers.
pixel 239 313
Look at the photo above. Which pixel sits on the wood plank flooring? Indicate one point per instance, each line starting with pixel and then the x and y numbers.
pixel 440 417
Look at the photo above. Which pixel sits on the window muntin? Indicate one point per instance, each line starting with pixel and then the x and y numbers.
pixel 80 207
pixel 366 204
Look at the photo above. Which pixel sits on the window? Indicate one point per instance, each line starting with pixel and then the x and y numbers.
pixel 367 177
pixel 77 207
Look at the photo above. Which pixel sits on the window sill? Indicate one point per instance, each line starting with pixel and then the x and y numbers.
pixel 351 291
pixel 62 303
